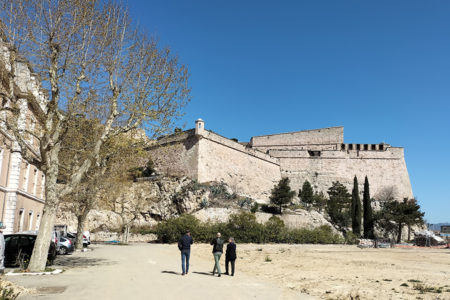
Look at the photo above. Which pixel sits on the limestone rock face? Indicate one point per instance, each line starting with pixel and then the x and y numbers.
pixel 166 197
pixel 146 202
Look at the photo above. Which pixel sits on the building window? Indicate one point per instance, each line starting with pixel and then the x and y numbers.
pixel 366 147
pixel 38 221
pixel 314 153
pixel 35 181
pixel 30 220
pixel 42 186
pixel 21 217
pixel 26 174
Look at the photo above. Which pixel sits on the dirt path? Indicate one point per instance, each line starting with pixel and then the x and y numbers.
pixel 144 271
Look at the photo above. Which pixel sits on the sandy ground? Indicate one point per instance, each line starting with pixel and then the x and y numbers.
pixel 347 272
pixel 145 271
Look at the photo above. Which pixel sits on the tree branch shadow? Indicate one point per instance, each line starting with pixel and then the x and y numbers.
pixel 80 262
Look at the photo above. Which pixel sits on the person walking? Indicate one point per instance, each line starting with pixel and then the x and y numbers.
pixel 184 244
pixel 217 252
pixel 230 256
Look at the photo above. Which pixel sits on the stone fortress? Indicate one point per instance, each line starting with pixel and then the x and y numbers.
pixel 319 156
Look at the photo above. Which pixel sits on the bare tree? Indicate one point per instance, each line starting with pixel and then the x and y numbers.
pixel 95 65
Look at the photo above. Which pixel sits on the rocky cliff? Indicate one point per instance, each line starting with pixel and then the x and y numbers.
pixel 144 203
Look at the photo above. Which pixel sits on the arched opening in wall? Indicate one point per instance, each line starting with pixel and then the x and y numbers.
pixel 350 147
pixel 358 147
pixel 342 146
pixel 381 147
pixel 374 147
pixel 366 147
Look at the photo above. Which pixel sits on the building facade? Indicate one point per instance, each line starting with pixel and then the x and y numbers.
pixel 22 184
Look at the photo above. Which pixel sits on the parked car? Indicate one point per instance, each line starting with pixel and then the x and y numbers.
pixel 65 246
pixel 19 247
pixel 86 237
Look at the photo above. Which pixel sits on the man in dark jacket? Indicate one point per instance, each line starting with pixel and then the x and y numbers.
pixel 217 252
pixel 184 244
pixel 230 256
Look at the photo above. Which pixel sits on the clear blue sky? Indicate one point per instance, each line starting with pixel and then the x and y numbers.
pixel 379 68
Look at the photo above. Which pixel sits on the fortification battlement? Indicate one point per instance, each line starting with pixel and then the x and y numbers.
pixel 322 136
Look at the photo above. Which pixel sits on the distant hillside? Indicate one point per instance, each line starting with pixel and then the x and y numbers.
pixel 436 226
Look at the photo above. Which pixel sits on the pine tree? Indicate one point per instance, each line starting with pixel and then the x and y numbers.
pixel 339 204
pixel 402 213
pixel 306 193
pixel 282 194
pixel 356 209
pixel 368 213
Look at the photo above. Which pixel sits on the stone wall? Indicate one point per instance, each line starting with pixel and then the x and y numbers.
pixel 207 156
pixel 176 155
pixel 247 171
pixel 384 169
pixel 324 136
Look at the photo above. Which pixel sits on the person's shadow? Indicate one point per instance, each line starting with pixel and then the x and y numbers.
pixel 170 272
pixel 203 273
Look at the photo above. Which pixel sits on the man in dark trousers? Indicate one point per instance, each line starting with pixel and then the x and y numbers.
pixel 230 256
pixel 184 244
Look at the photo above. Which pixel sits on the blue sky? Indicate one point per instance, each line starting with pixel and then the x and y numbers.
pixel 379 68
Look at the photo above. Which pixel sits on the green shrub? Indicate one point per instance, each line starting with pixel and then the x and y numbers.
pixel 254 207
pixel 220 191
pixel 244 202
pixel 244 228
pixel 204 203
pixel 170 231
pixel 351 238
pixel 143 229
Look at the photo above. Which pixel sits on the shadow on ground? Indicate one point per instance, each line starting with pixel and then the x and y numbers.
pixel 80 262
pixel 170 272
pixel 203 273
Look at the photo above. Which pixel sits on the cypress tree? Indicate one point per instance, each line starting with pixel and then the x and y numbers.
pixel 368 214
pixel 306 194
pixel 356 208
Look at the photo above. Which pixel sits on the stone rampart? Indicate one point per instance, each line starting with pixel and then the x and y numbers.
pixel 247 171
pixel 324 136
pixel 176 155
pixel 384 169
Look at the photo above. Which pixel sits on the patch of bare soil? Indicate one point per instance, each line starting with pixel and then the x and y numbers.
pixel 347 272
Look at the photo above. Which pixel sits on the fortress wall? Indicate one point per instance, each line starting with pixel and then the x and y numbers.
pixel 384 170
pixel 324 136
pixel 176 155
pixel 246 171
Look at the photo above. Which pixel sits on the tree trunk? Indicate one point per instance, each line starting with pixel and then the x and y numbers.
pixel 38 259
pixel 400 227
pixel 126 232
pixel 82 219
pixel 409 232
